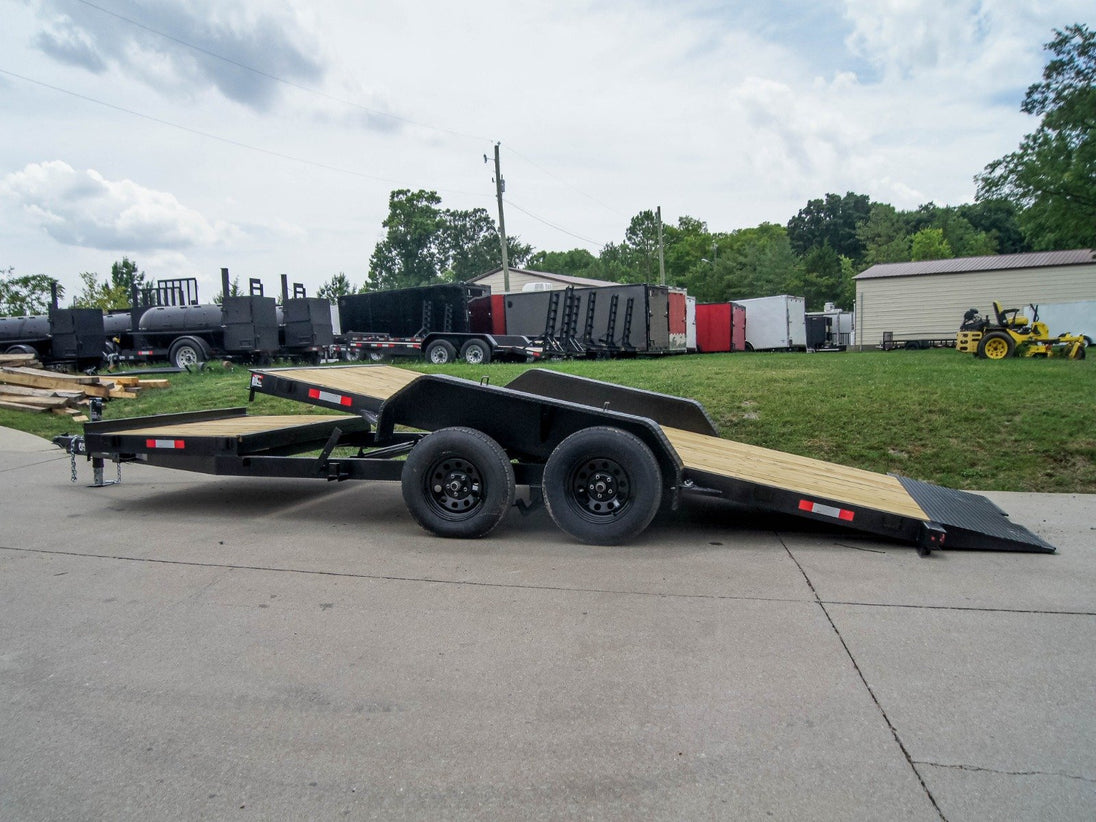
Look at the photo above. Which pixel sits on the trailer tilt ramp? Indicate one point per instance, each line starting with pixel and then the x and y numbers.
pixel 604 458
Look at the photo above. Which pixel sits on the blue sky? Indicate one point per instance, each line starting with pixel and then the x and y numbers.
pixel 266 136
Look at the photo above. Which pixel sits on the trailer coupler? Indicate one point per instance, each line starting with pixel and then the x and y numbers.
pixel 75 446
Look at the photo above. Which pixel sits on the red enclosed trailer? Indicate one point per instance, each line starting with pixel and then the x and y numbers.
pixel 720 327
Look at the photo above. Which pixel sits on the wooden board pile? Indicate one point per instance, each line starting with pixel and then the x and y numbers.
pixel 26 386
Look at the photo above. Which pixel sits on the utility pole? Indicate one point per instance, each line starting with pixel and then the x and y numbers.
pixel 661 254
pixel 500 186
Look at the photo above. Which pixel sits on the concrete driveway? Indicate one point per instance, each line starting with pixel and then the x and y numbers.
pixel 182 646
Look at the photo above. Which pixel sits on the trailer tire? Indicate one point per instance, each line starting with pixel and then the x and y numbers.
pixel 476 352
pixel 602 486
pixel 187 351
pixel 458 482
pixel 440 352
pixel 19 349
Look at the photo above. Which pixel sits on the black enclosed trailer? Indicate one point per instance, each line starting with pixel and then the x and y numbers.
pixel 604 458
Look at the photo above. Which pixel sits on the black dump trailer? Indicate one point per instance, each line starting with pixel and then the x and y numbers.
pixel 603 458
pixel 431 321
pixel 612 320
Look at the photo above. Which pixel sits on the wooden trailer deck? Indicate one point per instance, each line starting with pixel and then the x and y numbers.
pixel 698 452
pixel 236 427
pixel 800 475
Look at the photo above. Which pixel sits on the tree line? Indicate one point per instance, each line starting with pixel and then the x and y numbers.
pixel 1040 197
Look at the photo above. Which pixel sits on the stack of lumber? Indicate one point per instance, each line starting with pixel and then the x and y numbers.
pixel 25 386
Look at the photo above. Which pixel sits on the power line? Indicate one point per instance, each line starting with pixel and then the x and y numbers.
pixel 227 140
pixel 366 109
pixel 589 197
pixel 586 240
pixel 277 79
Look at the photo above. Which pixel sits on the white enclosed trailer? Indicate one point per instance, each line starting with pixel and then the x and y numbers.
pixel 1067 318
pixel 775 323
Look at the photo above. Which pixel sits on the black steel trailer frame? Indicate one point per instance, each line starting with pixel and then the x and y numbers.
pixel 603 458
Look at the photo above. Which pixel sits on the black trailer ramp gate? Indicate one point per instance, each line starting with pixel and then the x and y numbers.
pixel 530 418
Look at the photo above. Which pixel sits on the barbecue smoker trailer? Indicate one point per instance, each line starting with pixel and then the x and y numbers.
pixel 603 458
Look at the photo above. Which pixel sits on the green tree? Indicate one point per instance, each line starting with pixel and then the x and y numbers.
pixel 820 278
pixel 833 221
pixel 685 246
pixel 999 220
pixel 408 255
pixel 26 294
pixel 338 286
pixel 1051 177
pixel 98 293
pixel 578 262
pixel 750 262
pixel 930 244
pixel 124 276
pixel 884 236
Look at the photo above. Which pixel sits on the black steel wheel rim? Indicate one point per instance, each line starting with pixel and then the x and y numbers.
pixel 599 489
pixel 454 487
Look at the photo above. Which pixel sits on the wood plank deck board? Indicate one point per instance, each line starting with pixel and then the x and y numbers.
pixel 804 475
pixel 379 381
pixel 235 426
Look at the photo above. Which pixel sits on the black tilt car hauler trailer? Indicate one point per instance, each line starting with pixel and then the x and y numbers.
pixel 605 458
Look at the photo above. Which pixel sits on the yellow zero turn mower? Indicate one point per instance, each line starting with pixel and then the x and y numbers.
pixel 1013 335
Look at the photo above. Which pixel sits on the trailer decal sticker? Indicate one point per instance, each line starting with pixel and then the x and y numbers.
pixel 327 396
pixel 826 510
pixel 173 444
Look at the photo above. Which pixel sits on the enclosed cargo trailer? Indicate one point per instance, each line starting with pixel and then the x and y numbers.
pixel 775 323
pixel 720 327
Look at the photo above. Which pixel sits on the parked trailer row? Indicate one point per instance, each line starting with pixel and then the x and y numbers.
pixel 166 322
pixel 603 458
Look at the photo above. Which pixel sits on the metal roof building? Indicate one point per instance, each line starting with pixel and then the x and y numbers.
pixel 520 277
pixel 926 300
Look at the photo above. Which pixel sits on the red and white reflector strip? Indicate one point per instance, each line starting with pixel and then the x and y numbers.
pixel 826 510
pixel 328 396
pixel 177 445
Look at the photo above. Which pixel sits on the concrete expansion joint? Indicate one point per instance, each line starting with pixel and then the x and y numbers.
pixel 864 681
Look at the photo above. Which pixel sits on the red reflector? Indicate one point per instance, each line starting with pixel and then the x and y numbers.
pixel 173 444
pixel 826 510
pixel 327 396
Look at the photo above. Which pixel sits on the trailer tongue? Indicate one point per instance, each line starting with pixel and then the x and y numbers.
pixel 605 458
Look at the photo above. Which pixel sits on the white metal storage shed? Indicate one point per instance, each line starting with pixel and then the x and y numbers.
pixel 926 300
pixel 535 280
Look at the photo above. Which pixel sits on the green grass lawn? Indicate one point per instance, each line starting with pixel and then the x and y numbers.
pixel 940 416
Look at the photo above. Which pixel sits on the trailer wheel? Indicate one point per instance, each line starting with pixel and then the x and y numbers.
pixel 475 352
pixel 187 351
pixel 602 485
pixel 19 349
pixel 440 352
pixel 458 482
pixel 996 346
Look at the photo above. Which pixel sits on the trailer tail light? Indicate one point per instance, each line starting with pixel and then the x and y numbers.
pixel 826 510
pixel 328 396
pixel 176 445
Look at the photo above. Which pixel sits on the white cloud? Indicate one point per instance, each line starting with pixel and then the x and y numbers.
pixel 85 209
